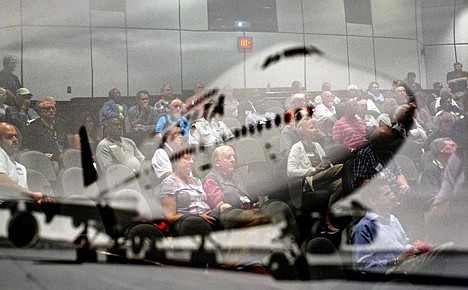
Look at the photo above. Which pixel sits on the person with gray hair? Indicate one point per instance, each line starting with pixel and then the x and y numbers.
pixel 45 134
pixel 8 80
pixel 430 179
pixel 222 184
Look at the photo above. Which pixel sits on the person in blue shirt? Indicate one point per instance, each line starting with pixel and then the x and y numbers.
pixel 380 243
pixel 174 115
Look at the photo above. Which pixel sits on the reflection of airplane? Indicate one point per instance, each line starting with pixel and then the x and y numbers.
pixel 282 256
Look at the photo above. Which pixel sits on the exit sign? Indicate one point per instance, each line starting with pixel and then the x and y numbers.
pixel 244 44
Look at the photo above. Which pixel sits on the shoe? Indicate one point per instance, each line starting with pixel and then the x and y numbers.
pixel 331 230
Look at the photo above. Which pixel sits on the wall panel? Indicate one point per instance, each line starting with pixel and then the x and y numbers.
pixel 109 61
pixel 153 60
pixel 57 57
pixel 394 59
pixel 56 12
pixel 212 58
pixel 332 67
pixel 361 61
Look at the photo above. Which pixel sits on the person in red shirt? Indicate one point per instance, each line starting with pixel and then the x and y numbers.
pixel 350 130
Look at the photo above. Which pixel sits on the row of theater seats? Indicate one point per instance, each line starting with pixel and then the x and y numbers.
pixel 117 186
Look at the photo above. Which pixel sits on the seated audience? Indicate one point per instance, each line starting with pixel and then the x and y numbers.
pixel 411 83
pixel 142 118
pixel 44 134
pixel 307 161
pixel 435 95
pixel 222 184
pixel 380 242
pixel 162 105
pixel 174 115
pixel 207 131
pixel 115 149
pixel 3 106
pixel 113 108
pixel 350 130
pixel 231 104
pixel 13 175
pixel 362 113
pixel 401 94
pixel 444 123
pixel 20 115
pixel 441 149
pixel 296 88
pixel 384 121
pixel 447 103
pixel 376 158
pixel 191 101
pixel 326 108
pixel 184 202
pixel 423 115
pixel 373 92
pixel 297 105
pixel 94 134
pixel 171 144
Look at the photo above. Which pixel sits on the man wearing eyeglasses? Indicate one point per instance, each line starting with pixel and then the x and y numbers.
pixel 44 134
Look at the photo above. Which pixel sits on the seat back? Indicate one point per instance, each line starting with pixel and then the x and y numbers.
pixel 38 182
pixel 272 103
pixel 248 151
pixel 338 153
pixel 70 158
pixel 129 199
pixel 408 168
pixel 118 176
pixel 347 177
pixel 148 149
pixel 39 162
pixel 73 184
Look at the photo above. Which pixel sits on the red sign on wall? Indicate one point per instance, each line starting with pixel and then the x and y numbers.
pixel 244 44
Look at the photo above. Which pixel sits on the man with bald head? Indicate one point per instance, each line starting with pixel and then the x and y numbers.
pixel 377 157
pixel 13 179
pixel 327 107
pixel 174 116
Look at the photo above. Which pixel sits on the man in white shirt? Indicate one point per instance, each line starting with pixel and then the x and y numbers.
pixel 171 144
pixel 13 178
pixel 326 108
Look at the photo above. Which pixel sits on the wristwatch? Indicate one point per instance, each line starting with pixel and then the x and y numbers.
pixel 394 262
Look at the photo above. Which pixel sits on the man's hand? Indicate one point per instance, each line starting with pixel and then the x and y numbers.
pixel 139 127
pixel 223 206
pixel 408 254
pixel 211 220
pixel 39 197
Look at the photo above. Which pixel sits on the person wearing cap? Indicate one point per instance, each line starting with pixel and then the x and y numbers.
pixel 173 116
pixel 20 114
pixel 8 80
